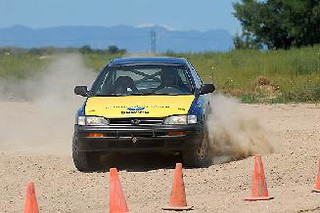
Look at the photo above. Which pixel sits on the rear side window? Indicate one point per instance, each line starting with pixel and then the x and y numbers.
pixel 197 80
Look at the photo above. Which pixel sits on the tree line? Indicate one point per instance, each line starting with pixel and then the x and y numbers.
pixel 112 49
pixel 277 24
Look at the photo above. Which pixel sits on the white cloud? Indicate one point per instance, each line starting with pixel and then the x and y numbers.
pixel 145 25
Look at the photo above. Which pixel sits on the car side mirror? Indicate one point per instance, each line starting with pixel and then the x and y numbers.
pixel 207 88
pixel 81 90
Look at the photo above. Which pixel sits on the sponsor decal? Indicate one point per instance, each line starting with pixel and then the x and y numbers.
pixel 135 112
pixel 136 108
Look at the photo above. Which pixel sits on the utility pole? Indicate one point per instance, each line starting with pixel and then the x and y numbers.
pixel 153 41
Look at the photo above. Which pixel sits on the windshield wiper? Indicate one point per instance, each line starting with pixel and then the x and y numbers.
pixel 167 94
pixel 148 93
pixel 106 95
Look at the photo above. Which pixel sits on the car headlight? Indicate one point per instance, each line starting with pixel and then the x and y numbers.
pixel 92 120
pixel 181 119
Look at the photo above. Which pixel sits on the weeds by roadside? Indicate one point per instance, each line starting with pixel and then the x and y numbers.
pixel 251 75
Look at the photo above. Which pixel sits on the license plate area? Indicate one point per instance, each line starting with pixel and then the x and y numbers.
pixel 136 134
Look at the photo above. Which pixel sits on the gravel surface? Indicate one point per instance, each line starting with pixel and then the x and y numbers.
pixel 147 178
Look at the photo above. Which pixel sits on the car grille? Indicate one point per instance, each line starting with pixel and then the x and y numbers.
pixel 135 121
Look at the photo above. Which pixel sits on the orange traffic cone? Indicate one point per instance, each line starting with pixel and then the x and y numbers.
pixel 317 189
pixel 31 205
pixel 259 190
pixel 178 199
pixel 117 199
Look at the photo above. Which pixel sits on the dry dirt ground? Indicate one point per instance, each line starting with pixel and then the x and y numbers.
pixel 147 179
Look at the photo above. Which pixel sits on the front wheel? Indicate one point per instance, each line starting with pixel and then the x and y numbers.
pixel 85 161
pixel 201 156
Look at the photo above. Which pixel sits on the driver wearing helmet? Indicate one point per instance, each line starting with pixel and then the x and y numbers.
pixel 169 78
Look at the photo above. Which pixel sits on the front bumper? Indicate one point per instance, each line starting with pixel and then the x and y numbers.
pixel 130 138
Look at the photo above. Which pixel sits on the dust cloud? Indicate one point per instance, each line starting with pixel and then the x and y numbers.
pixel 38 113
pixel 235 132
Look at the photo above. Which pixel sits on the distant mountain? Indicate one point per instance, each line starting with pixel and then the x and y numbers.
pixel 134 39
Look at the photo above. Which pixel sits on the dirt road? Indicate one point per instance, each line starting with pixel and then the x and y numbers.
pixel 147 179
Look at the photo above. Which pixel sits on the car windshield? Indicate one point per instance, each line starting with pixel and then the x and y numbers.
pixel 142 80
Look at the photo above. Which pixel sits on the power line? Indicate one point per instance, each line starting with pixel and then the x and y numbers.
pixel 153 41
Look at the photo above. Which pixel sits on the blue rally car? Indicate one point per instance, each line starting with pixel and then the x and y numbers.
pixel 141 105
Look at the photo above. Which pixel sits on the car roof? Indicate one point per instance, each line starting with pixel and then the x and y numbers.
pixel 148 60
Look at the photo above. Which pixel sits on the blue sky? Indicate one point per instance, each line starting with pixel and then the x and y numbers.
pixel 177 14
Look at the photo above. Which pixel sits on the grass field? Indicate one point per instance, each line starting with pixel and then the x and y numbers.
pixel 251 75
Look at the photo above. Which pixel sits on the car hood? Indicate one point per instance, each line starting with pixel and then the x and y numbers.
pixel 138 106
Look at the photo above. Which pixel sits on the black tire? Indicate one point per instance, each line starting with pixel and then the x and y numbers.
pixel 85 161
pixel 201 156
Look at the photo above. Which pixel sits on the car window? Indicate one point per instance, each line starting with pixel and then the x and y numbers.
pixel 197 80
pixel 143 80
